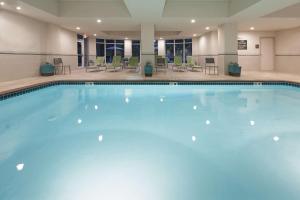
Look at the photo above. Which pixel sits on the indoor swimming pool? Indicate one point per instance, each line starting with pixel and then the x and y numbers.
pixel 151 142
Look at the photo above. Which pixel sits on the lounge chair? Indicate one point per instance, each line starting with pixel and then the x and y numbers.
pixel 211 64
pixel 100 62
pixel 161 63
pixel 116 64
pixel 133 63
pixel 60 67
pixel 192 65
pixel 178 65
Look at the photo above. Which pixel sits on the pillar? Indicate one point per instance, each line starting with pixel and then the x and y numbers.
pixel 147 44
pixel 227 46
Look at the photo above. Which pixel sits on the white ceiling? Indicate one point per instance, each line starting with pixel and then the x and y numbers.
pixel 171 17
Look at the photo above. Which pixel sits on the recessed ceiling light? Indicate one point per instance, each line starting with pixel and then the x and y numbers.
pixel 252 28
pixel 2 3
pixel 207 28
pixel 18 8
pixel 126 38
pixel 161 38
pixel 195 107
pixel 193 21
pixel 95 34
pixel 99 20
pixel 78 28
pixel 194 35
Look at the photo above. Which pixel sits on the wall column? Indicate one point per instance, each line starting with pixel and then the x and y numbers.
pixel 227 46
pixel 147 44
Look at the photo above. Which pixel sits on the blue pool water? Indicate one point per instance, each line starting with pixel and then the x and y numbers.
pixel 151 142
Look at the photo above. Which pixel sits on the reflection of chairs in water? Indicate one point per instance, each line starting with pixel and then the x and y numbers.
pixel 210 64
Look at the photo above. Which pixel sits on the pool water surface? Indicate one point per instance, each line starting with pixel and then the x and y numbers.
pixel 151 142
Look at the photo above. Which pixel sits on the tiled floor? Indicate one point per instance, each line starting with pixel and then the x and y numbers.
pixel 80 74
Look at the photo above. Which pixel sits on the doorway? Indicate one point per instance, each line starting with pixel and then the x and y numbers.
pixel 267 54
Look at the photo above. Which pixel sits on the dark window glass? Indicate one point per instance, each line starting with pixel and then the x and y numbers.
pixel 179 50
pixel 110 52
pixel 79 52
pixel 110 41
pixel 120 41
pixel 170 52
pixel 178 41
pixel 188 50
pixel 79 37
pixel 169 41
pixel 188 40
pixel 120 50
pixel 135 42
pixel 99 40
pixel 155 47
pixel 136 50
pixel 100 49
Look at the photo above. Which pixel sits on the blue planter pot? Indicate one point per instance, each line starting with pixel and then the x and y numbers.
pixel 148 70
pixel 234 69
pixel 47 69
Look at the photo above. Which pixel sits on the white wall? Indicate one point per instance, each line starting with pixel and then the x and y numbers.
pixel 250 59
pixel 161 48
pixel 128 48
pixel 287 50
pixel 29 38
pixel 204 46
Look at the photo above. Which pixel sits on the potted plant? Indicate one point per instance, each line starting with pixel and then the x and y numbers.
pixel 234 69
pixel 148 69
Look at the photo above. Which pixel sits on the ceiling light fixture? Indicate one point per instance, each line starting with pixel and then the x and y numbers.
pixel 207 28
pixel 193 21
pixel 194 35
pixel 126 38
pixel 78 28
pixel 95 34
pixel 252 28
pixel 161 38
pixel 99 20
pixel 18 8
pixel 2 3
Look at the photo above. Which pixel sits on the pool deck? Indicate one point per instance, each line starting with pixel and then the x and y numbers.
pixel 80 74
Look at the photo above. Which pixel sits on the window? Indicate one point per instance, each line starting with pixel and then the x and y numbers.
pixel 136 49
pixel 120 48
pixel 155 47
pixel 100 47
pixel 188 48
pixel 170 50
pixel 110 48
pixel 110 52
pixel 182 48
pixel 179 48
